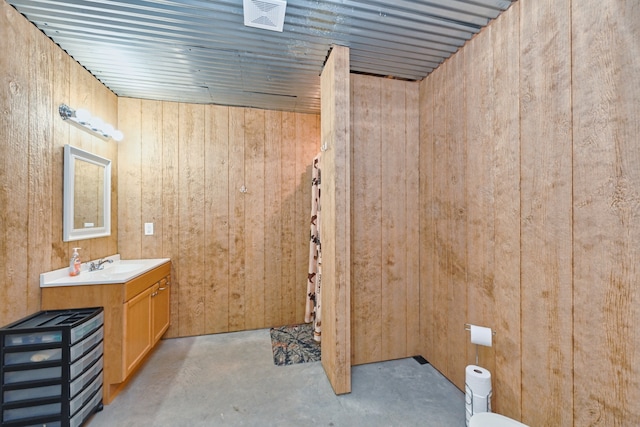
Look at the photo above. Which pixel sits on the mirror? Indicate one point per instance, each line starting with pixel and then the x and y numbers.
pixel 87 195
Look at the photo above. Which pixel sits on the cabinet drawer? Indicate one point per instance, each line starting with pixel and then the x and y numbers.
pixel 83 346
pixel 31 411
pixel 32 393
pixel 78 367
pixel 13 377
pixel 78 384
pixel 33 356
pixel 85 396
pixel 86 328
pixel 80 417
pixel 32 338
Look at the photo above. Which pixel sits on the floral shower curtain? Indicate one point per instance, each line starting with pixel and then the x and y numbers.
pixel 312 311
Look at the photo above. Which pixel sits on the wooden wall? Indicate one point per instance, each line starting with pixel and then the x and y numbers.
pixel 529 169
pixel 35 79
pixel 545 203
pixel 240 258
pixel 336 229
pixel 385 286
pixel 606 212
pixel 528 198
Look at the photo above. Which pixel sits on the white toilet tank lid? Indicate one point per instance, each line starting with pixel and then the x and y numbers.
pixel 491 419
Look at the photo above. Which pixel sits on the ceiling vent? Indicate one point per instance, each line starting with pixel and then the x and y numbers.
pixel 265 14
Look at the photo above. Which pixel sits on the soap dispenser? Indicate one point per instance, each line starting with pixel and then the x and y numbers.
pixel 74 264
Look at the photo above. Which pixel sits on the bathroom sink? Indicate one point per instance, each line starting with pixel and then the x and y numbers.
pixel 116 271
pixel 120 267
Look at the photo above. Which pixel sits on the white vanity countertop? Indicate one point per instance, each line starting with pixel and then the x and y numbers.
pixel 118 271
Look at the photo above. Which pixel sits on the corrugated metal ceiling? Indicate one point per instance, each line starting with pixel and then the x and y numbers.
pixel 200 51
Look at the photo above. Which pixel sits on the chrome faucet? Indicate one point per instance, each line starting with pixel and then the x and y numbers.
pixel 99 265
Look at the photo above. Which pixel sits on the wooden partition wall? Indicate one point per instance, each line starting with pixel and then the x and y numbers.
pixel 336 221
pixel 529 175
pixel 36 76
pixel 228 191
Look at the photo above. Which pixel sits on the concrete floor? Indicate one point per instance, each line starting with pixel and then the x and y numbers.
pixel 230 380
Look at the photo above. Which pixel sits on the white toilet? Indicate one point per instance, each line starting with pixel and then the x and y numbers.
pixel 491 419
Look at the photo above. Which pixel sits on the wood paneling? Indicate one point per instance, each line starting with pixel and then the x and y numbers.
pixel 427 215
pixel 546 229
pixel 254 218
pixel 449 213
pixel 35 79
pixel 60 250
pixel 170 202
pixel 366 200
pixel 39 149
pixel 336 220
pixel 273 222
pixel 129 161
pixel 385 220
pixel 456 223
pixel 556 167
pixel 480 195
pixel 413 214
pixel 237 230
pixel 440 254
pixel 15 168
pixel 393 222
pixel 150 157
pixel 480 191
pixel 217 220
pixel 191 194
pixel 505 134
pixel 606 183
pixel 236 254
pixel 551 105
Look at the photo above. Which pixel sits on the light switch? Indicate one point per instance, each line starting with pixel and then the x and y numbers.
pixel 148 228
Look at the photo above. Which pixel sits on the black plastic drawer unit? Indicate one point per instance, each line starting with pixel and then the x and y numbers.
pixel 52 368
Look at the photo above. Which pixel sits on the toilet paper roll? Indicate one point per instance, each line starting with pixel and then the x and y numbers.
pixel 478 379
pixel 477 391
pixel 481 335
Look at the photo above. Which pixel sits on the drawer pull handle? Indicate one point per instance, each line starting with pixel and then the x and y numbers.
pixel 162 289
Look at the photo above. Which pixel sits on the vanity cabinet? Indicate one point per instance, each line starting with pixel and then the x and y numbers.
pixel 136 315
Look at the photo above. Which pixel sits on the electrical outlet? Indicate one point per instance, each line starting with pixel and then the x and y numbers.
pixel 148 228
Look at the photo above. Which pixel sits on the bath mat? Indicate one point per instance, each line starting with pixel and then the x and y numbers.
pixel 294 344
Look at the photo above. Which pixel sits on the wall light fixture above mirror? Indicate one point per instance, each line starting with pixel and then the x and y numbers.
pixel 87 195
pixel 84 120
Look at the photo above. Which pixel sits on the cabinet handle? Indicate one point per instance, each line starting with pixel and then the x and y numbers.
pixel 162 289
pixel 154 294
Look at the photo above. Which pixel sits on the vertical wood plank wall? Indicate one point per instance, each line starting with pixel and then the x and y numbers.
pixel 545 202
pixel 505 135
pixel 529 143
pixel 240 257
pixel 606 212
pixel 385 300
pixel 336 220
pixel 470 224
pixel 35 79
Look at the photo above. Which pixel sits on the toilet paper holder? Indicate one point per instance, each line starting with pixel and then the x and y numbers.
pixel 468 327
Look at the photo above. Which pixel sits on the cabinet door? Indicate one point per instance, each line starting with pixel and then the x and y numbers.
pixel 137 329
pixel 161 308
